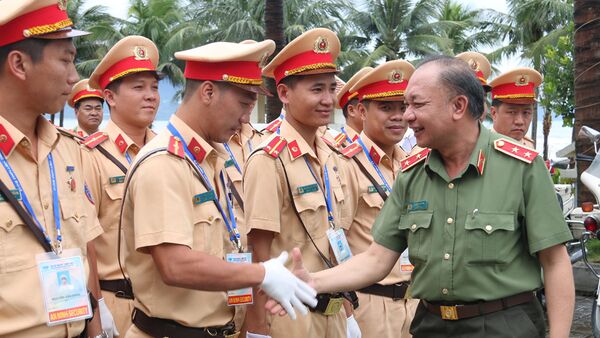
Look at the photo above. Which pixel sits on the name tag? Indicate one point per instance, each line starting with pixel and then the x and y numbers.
pixel 405 264
pixel 241 296
pixel 305 189
pixel 204 197
pixel 15 193
pixel 64 287
pixel 228 163
pixel 116 179
pixel 339 245
pixel 372 189
pixel 419 205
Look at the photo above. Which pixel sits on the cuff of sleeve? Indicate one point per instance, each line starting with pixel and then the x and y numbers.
pixel 553 240
pixel 146 240
pixel 388 242
pixel 94 232
pixel 263 224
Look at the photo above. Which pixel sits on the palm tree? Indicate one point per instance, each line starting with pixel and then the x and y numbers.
pixel 273 18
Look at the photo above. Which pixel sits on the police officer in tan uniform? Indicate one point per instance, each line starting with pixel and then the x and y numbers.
pixel 513 103
pixel 348 103
pixel 177 212
pixel 127 75
pixel 87 104
pixel 293 186
pixel 375 158
pixel 42 169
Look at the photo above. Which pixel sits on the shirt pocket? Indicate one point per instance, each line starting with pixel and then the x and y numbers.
pixel 490 237
pixel 208 229
pixel 312 210
pixel 74 223
pixel 417 224
pixel 16 241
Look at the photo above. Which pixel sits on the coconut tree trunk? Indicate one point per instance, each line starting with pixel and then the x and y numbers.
pixel 546 130
pixel 274 31
pixel 587 80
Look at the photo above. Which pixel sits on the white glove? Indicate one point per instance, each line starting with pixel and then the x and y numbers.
pixel 288 290
pixel 108 323
pixel 256 335
pixel 352 329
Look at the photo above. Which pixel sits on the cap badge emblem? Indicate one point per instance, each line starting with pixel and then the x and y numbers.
pixel 474 65
pixel 141 53
pixel 62 5
pixel 396 76
pixel 522 80
pixel 321 45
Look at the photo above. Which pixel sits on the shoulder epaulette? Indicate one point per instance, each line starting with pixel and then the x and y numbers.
pixel 516 150
pixel 70 134
pixel 351 150
pixel 412 160
pixel 176 147
pixel 95 139
pixel 275 146
pixel 273 126
pixel 340 138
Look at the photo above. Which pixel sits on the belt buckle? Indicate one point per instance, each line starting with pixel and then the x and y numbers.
pixel 449 312
pixel 334 306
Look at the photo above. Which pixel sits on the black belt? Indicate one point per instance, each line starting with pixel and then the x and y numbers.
pixel 328 303
pixel 159 328
pixel 120 287
pixel 393 291
pixel 457 311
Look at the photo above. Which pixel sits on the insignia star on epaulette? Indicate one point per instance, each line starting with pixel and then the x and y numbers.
pixel 515 150
pixel 418 155
pixel 407 162
pixel 527 154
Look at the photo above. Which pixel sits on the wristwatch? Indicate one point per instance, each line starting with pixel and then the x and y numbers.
pixel 102 334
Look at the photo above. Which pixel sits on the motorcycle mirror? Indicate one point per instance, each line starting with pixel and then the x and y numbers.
pixel 592 134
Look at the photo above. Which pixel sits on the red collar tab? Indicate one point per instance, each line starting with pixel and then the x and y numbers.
pixel 274 125
pixel 121 143
pixel 275 146
pixel 413 160
pixel 375 155
pixel 385 88
pixel 303 62
pixel 241 72
pixel 95 139
pixel 516 150
pixel 6 142
pixel 86 94
pixel 197 150
pixel 481 162
pixel 294 149
pixel 351 150
pixel 45 20
pixel 339 139
pixel 130 65
pixel 176 147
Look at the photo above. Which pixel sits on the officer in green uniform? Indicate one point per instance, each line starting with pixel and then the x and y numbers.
pixel 479 216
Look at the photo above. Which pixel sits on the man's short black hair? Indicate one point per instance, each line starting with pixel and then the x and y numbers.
pixel 78 103
pixel 353 101
pixel 459 79
pixel 192 85
pixel 290 81
pixel 32 47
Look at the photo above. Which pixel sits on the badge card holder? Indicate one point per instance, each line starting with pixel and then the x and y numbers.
pixel 64 286
pixel 339 245
pixel 405 264
pixel 240 296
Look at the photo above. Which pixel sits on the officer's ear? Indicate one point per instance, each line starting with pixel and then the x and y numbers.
pixel 362 110
pixel 353 111
pixel 109 97
pixel 494 112
pixel 18 64
pixel 459 107
pixel 207 92
pixel 283 92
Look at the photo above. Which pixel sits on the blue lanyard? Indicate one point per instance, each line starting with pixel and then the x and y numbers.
pixel 281 117
pixel 230 224
pixel 234 235
pixel 326 193
pixel 237 166
pixel 15 180
pixel 387 186
pixel 347 137
pixel 250 146
pixel 127 157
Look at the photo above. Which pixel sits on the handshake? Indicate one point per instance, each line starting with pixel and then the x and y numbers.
pixel 285 288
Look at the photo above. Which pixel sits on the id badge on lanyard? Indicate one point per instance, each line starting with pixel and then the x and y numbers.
pixel 64 288
pixel 339 245
pixel 240 296
pixel 405 264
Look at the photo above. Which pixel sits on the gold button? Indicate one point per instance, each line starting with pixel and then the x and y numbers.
pixel 451 186
pixel 25 143
pixel 450 220
pixel 488 228
pixel 210 218
pixel 446 256
pixel 9 222
pixel 445 291
pixel 3 138
pixel 414 226
pixel 46 205
pixel 500 143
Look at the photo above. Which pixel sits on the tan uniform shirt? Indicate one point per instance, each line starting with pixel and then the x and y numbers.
pixel 526 141
pixel 22 312
pixel 79 131
pixel 364 203
pixel 106 182
pixel 164 204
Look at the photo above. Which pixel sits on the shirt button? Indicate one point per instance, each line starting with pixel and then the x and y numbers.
pixel 446 256
pixel 46 206
pixel 444 291
pixel 450 220
pixel 210 218
pixel 25 143
pixel 414 226
pixel 9 222
pixel 451 186
pixel 488 228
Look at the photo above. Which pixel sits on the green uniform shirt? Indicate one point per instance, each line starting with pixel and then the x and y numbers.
pixel 475 237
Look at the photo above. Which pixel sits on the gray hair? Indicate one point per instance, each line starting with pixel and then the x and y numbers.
pixel 459 79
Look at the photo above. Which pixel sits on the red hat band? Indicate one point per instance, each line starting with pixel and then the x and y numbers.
pixel 303 62
pixel 381 89
pixel 42 21
pixel 241 72
pixel 479 75
pixel 512 91
pixel 125 67
pixel 85 94
pixel 346 98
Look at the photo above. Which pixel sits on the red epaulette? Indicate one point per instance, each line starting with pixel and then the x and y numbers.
pixel 352 150
pixel 70 134
pixel 329 142
pixel 95 139
pixel 176 147
pixel 516 150
pixel 275 146
pixel 340 138
pixel 274 125
pixel 412 160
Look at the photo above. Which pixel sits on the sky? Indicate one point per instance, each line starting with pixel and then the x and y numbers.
pixel 559 136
